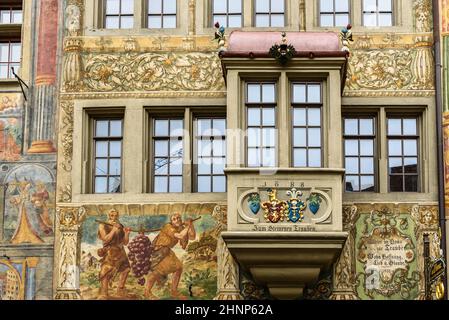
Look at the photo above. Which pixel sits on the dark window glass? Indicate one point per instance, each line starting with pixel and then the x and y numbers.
pixel 403 151
pixel 211 154
pixel 359 149
pixel 261 124
pixel 167 155
pixel 306 125
pixel 107 155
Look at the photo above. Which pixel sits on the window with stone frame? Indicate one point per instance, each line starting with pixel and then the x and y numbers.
pixel 118 14
pixel 307 103
pixel 10 57
pixel 107 155
pixel 161 14
pixel 11 12
pixel 269 13
pixel 377 13
pixel 334 13
pixel 261 124
pixel 228 13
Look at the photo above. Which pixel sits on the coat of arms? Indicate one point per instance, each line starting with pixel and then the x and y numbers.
pixel 274 208
pixel 296 206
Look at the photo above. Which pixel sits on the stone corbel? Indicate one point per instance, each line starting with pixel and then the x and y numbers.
pixel 69 221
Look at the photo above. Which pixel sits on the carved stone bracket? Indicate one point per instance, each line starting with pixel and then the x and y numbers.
pixel 69 220
pixel 228 271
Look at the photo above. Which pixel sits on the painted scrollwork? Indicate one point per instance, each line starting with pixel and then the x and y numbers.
pixel 67 134
pixel 153 72
pixel 228 271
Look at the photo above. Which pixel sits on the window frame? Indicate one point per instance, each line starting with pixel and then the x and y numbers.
pixel 10 41
pixel 146 14
pixel 375 137
pixel 195 153
pixel 93 156
pixel 255 13
pixel 212 14
pixel 104 16
pixel 12 6
pixel 261 106
pixel 334 13
pixel 417 138
pixel 378 12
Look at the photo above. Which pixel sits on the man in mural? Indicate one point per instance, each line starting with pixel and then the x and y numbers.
pixel 163 260
pixel 114 260
pixel 39 199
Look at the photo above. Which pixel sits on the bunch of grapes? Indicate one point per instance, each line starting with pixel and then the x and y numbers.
pixel 139 256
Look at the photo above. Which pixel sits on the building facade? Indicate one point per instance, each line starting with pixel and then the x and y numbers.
pixel 278 157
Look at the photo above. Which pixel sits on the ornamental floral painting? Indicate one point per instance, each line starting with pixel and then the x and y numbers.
pixel 29 195
pixel 166 257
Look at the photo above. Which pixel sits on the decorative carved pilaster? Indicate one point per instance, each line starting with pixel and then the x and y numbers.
pixel 344 270
pixel 192 18
pixel 66 130
pixel 69 221
pixel 227 271
pixel 423 15
pixel 302 15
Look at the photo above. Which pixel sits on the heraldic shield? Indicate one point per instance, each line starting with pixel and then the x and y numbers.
pixel 296 206
pixel 274 209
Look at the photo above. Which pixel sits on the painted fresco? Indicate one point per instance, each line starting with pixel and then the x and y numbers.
pixel 149 257
pixel 386 256
pixel 17 279
pixel 29 205
pixel 10 127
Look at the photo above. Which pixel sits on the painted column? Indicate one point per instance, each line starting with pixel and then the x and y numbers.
pixel 43 116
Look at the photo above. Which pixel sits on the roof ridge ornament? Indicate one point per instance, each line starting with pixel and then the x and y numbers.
pixel 346 37
pixel 283 52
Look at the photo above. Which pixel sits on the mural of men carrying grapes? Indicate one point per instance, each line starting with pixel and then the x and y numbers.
pixel 114 260
pixel 163 260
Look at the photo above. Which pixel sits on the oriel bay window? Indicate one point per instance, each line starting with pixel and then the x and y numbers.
pixel 359 150
pixel 261 124
pixel 306 124
pixel 168 153
pixel 403 154
pixel 107 145
pixel 210 154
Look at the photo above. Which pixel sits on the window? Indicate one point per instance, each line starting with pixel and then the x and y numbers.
pixel 119 14
pixel 261 124
pixel 334 13
pixel 161 14
pixel 403 154
pixel 10 52
pixel 10 15
pixel 107 138
pixel 167 154
pixel 359 150
pixel 211 154
pixel 227 12
pixel 307 104
pixel 269 13
pixel 377 13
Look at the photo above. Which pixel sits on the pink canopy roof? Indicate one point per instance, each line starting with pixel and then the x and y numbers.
pixel 260 42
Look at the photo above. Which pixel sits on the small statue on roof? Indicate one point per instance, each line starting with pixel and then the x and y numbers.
pixel 220 36
pixel 346 37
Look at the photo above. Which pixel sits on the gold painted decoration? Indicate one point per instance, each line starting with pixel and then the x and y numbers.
pixel 274 209
pixel 129 72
